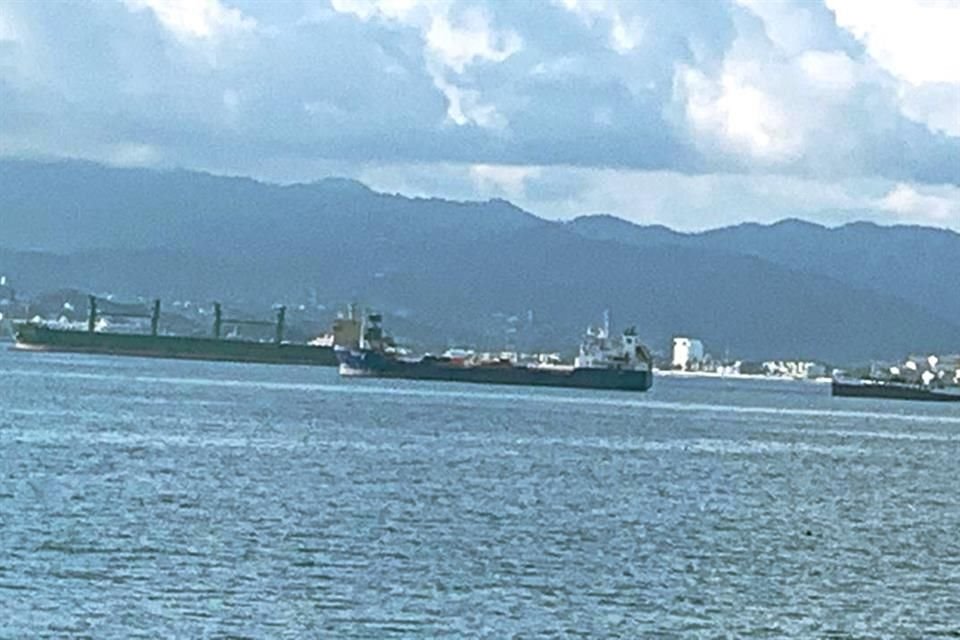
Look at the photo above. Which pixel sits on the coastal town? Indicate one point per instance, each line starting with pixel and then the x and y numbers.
pixel 309 322
pixel 688 356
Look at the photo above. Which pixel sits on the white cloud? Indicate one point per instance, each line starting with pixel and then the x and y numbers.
pixel 936 105
pixel 453 41
pixel 195 19
pixel 509 181
pixel 8 31
pixel 774 103
pixel 625 29
pixel 472 39
pixel 17 63
pixel 940 206
pixel 391 9
pixel 204 29
pixel 680 201
pixel 918 43
pixel 833 71
pixel 698 202
pixel 702 87
pixel 791 26
pixel 738 116
pixel 454 47
pixel 624 32
pixel 132 155
pixel 464 106
pixel 916 40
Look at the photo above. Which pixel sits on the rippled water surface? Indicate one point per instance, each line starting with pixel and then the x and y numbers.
pixel 148 498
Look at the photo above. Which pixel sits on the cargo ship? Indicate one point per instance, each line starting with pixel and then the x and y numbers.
pixel 39 336
pixel 603 362
pixel 890 389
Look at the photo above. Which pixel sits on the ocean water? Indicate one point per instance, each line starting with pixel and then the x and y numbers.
pixel 150 498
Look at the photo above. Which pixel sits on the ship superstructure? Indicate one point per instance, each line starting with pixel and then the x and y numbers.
pixel 599 350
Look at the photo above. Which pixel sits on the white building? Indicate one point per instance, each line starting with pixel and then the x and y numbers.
pixel 917 369
pixel 687 352
pixel 794 369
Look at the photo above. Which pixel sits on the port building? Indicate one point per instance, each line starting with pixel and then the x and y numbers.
pixel 687 353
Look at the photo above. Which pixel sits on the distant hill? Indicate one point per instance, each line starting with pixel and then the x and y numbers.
pixel 908 262
pixel 483 273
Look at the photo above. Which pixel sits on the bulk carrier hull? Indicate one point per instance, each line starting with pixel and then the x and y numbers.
pixel 377 365
pixel 890 390
pixel 42 338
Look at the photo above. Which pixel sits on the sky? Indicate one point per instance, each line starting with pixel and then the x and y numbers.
pixel 691 114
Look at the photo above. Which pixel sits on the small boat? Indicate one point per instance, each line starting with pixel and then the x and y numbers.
pixel 890 389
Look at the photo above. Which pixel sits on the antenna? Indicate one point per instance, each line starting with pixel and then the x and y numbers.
pixel 606 323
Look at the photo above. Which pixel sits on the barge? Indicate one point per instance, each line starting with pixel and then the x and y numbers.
pixel 892 390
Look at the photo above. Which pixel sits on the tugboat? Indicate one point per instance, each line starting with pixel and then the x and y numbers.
pixel 622 363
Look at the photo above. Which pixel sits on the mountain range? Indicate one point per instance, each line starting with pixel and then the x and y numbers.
pixel 485 273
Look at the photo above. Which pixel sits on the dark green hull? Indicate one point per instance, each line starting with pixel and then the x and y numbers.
pixel 33 336
pixel 377 365
pixel 890 390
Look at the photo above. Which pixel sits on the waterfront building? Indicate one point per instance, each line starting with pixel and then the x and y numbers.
pixel 687 353
pixel 800 369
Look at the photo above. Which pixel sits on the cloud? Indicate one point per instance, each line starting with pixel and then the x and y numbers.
pixel 8 32
pixel 738 116
pixel 830 71
pixel 935 105
pixel 458 46
pixel 907 203
pixel 697 202
pixel 624 29
pixel 201 19
pixel 465 106
pixel 132 155
pixel 503 180
pixel 795 93
pixel 680 201
pixel 916 42
pixel 453 40
pixel 794 28
pixel 562 104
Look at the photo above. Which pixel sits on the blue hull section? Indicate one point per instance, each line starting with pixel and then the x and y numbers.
pixel 377 365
